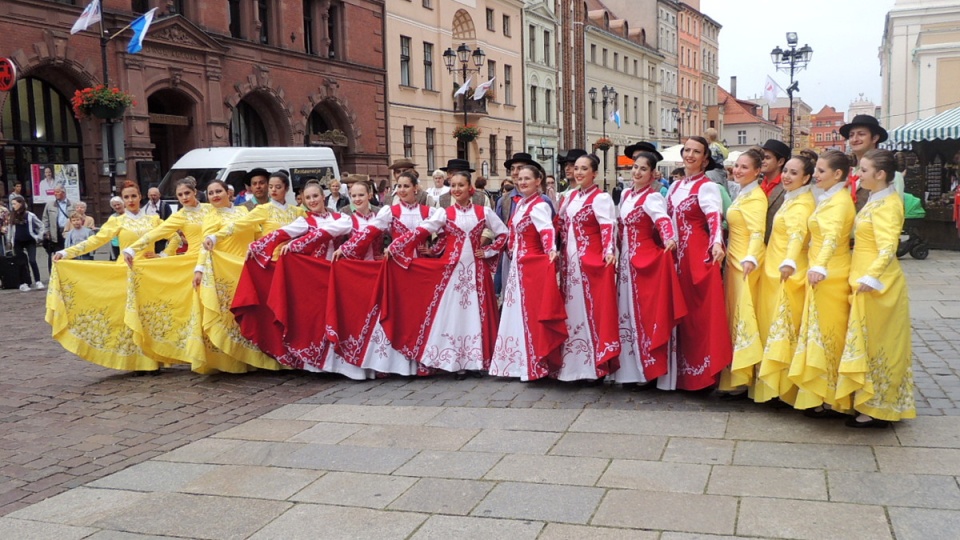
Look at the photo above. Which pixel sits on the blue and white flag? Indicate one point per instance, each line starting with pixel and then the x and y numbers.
pixel 140 27
pixel 615 117
pixel 90 15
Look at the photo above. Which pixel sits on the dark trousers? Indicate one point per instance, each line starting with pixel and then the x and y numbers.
pixel 53 247
pixel 30 248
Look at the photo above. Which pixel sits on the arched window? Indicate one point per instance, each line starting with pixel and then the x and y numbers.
pixel 246 127
pixel 463 26
pixel 40 128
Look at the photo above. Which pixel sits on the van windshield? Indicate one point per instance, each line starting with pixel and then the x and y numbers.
pixel 203 176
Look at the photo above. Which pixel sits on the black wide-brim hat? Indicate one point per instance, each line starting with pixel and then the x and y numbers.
pixel 642 147
pixel 777 147
pixel 457 165
pixel 866 121
pixel 520 157
pixel 572 155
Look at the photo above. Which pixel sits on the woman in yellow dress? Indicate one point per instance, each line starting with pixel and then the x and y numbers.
pixel 746 221
pixel 823 323
pixel 205 312
pixel 783 282
pixel 158 303
pixel 876 365
pixel 225 270
pixel 86 300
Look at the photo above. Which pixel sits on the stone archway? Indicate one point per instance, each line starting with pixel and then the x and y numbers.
pixel 172 129
pixel 261 96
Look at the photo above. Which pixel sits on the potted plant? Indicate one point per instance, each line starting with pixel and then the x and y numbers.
pixel 604 143
pixel 466 133
pixel 101 102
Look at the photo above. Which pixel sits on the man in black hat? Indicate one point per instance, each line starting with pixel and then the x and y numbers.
pixel 863 134
pixel 506 204
pixel 775 156
pixel 454 166
pixel 568 184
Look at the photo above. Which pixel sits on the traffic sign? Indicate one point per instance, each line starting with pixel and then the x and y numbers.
pixel 8 75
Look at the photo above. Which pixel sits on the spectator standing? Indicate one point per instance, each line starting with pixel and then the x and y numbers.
pixel 25 230
pixel 56 217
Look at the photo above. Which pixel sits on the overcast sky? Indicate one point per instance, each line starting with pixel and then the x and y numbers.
pixel 845 36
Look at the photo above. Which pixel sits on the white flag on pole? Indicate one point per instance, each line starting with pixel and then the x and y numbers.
pixel 482 90
pixel 771 90
pixel 90 16
pixel 462 91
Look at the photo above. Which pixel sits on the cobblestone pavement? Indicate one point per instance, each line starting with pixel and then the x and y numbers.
pixel 64 422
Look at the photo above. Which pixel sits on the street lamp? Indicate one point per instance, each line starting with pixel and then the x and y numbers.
pixel 608 95
pixel 790 61
pixel 463 56
pixel 678 116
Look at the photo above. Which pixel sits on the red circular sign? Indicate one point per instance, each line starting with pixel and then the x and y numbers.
pixel 8 74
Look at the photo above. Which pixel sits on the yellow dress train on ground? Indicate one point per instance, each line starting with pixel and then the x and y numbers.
pixel 746 219
pixel 86 300
pixel 876 367
pixel 826 307
pixel 221 274
pixel 780 304
pixel 160 292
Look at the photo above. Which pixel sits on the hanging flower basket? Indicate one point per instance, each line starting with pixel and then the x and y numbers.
pixel 466 133
pixel 101 102
pixel 603 143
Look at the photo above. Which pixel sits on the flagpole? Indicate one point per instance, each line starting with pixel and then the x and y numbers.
pixel 108 124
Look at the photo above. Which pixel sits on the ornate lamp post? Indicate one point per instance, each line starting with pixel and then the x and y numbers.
pixel 463 56
pixel 791 61
pixel 608 95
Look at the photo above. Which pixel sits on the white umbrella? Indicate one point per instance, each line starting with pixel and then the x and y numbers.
pixel 672 154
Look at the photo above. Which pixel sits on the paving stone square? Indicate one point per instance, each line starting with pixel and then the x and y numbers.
pixel 563 504
pixel 88 453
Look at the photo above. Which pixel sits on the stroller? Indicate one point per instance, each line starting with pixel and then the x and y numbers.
pixel 910 240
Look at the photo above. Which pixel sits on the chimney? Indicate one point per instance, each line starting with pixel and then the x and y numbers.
pixel 733 86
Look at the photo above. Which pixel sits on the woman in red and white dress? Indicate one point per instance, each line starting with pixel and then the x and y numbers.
pixel 649 301
pixel 462 311
pixel 588 272
pixel 533 319
pixel 303 270
pixel 703 337
pixel 351 311
pixel 397 337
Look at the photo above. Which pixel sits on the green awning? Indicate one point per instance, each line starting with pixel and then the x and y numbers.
pixel 945 125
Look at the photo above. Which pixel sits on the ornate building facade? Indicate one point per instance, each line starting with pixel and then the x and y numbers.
pixel 422 106
pixel 241 73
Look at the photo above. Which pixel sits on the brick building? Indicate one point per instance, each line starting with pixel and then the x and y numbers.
pixel 240 73
pixel 825 129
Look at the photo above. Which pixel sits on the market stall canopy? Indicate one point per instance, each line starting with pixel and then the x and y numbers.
pixel 672 154
pixel 945 126
pixel 623 162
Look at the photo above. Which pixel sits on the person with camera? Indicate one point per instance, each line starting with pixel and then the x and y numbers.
pixel 56 217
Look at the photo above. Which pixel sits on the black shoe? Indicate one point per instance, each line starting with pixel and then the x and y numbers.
pixel 822 412
pixel 476 374
pixel 872 423
pixel 734 396
pixel 778 403
pixel 460 376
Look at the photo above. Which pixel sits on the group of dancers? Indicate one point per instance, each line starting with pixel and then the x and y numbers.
pixel 652 291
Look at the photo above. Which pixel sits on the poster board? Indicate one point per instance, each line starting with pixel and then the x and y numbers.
pixel 47 176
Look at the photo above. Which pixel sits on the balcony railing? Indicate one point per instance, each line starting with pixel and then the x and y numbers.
pixel 474 106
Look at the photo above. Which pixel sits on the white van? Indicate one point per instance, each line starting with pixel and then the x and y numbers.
pixel 232 164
